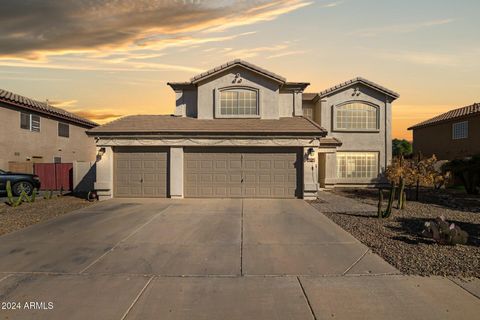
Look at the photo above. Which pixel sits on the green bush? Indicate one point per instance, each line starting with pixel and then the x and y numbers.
pixel 468 171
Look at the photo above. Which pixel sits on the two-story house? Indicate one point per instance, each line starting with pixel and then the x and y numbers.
pixel 240 131
pixel 33 131
pixel 450 135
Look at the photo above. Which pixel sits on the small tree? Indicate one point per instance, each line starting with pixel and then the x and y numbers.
pixel 401 148
pixel 415 172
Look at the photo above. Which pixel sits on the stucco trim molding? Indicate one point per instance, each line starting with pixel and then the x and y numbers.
pixel 188 142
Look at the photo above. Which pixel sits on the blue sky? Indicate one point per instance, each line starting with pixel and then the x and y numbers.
pixel 103 58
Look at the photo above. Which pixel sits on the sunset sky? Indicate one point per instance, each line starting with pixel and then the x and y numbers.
pixel 107 58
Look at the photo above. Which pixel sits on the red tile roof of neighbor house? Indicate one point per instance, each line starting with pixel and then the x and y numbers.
pixel 169 124
pixel 450 115
pixel 43 108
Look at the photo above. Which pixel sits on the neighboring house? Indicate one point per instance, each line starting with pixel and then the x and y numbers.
pixel 240 131
pixel 33 131
pixel 451 135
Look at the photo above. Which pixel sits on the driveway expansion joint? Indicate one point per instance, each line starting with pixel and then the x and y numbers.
pixel 306 299
pixel 356 262
pixel 465 289
pixel 124 239
pixel 137 298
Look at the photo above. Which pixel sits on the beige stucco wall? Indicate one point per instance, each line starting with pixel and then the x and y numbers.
pixel 437 139
pixel 376 141
pixel 272 104
pixel 45 144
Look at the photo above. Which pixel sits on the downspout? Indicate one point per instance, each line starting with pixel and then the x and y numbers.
pixel 386 134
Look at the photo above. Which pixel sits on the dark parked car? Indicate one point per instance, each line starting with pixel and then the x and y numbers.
pixel 19 181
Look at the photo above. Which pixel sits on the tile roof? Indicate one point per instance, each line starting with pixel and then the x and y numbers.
pixel 330 141
pixel 233 63
pixel 168 124
pixel 364 81
pixel 308 96
pixel 450 115
pixel 42 107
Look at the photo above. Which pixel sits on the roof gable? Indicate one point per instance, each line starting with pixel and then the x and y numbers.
pixel 450 115
pixel 359 80
pixel 238 63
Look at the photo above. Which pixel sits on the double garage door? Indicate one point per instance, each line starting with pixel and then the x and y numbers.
pixel 210 172
pixel 241 173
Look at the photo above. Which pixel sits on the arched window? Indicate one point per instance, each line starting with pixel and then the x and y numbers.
pixel 356 116
pixel 238 102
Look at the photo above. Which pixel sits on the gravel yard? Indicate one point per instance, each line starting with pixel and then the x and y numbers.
pixel 398 238
pixel 12 219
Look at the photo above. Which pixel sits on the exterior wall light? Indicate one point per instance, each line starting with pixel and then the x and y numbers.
pixel 100 153
pixel 311 155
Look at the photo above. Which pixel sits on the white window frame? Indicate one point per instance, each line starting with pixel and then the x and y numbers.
pixel 218 106
pixel 460 130
pixel 373 166
pixel 310 113
pixel 343 104
pixel 33 124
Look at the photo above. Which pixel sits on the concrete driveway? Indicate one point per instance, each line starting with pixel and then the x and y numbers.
pixel 209 259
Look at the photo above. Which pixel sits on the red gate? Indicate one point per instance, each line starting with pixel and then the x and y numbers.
pixel 54 176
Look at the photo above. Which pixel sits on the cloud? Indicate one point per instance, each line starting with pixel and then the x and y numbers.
pixel 62 103
pixel 332 4
pixel 423 58
pixel 35 29
pixel 285 54
pixel 399 28
pixel 98 115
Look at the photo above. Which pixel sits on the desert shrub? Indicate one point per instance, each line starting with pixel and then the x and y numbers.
pixel 444 233
pixel 468 171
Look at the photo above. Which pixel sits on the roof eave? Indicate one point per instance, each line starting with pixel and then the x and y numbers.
pixel 211 73
pixel 365 82
pixel 86 123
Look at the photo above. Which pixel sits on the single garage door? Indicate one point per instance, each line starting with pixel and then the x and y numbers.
pixel 140 172
pixel 242 172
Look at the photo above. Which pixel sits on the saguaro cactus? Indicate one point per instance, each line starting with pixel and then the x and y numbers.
pixel 401 195
pixel 380 202
pixel 391 198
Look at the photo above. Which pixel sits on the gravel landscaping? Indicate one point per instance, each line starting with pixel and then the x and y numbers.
pixel 12 219
pixel 398 239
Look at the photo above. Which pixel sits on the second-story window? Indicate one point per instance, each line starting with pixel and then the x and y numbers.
pixel 460 130
pixel 308 112
pixel 356 116
pixel 238 103
pixel 30 121
pixel 63 130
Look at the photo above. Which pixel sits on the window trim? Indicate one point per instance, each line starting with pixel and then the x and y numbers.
pixel 218 92
pixel 378 153
pixel 58 129
pixel 466 131
pixel 311 108
pixel 30 121
pixel 334 117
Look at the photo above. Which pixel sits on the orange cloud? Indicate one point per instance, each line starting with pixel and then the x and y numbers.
pixel 98 116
